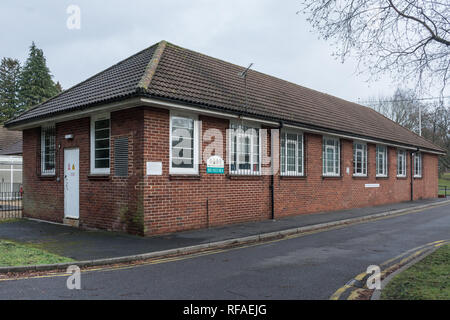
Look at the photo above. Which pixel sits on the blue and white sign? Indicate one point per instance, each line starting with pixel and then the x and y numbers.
pixel 215 165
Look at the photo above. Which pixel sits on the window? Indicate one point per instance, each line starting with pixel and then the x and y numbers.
pixel 359 159
pixel 291 156
pixel 401 163
pixel 48 150
pixel 183 144
pixel 331 157
pixel 381 161
pixel 417 165
pixel 100 144
pixel 10 173
pixel 245 149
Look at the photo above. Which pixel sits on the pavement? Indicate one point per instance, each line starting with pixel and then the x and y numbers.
pixel 91 245
pixel 305 266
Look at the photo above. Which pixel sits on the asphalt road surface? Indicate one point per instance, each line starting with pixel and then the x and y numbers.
pixel 307 267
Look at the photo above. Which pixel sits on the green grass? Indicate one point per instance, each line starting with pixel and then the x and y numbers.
pixel 9 220
pixel 444 182
pixel 20 254
pixel 427 280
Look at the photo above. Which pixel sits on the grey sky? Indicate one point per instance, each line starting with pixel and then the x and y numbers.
pixel 265 32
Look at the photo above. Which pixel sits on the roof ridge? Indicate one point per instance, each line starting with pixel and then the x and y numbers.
pixel 288 82
pixel 79 84
pixel 150 70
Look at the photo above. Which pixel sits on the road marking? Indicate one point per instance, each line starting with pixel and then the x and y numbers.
pixel 360 277
pixel 216 251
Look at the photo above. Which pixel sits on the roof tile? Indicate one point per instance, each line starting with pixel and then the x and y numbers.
pixel 168 71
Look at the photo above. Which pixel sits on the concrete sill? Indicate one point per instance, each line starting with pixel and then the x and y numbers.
pixel 184 177
pixel 99 177
pixel 331 177
pixel 360 177
pixel 381 178
pixel 47 177
pixel 292 177
pixel 244 177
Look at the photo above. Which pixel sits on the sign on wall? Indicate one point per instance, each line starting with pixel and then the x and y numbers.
pixel 215 165
pixel 154 168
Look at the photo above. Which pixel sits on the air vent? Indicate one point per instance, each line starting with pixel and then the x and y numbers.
pixel 121 157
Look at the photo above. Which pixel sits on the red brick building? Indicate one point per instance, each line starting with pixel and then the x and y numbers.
pixel 127 148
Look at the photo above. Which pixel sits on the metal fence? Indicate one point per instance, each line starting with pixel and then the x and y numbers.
pixel 10 187
pixel 444 191
pixel 11 205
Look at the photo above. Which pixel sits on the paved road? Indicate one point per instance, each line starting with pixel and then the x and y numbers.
pixel 307 267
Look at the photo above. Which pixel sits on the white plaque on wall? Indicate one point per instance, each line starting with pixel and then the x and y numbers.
pixel 372 185
pixel 154 168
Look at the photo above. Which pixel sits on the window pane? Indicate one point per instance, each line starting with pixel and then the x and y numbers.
pixel 300 154
pixel 101 144
pixel 102 164
pixel 283 153
pixel 182 142
pixel 48 149
pixel 101 124
pixel 102 134
pixel 102 154
pixel 245 148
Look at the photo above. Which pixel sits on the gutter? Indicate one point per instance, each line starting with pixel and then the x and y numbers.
pixel 138 98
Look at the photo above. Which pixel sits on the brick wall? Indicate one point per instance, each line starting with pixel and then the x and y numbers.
pixel 162 204
pixel 106 202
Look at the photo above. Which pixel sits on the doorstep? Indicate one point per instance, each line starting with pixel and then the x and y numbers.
pixel 71 222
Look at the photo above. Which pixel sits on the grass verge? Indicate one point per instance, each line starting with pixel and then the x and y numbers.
pixel 426 280
pixel 9 220
pixel 20 254
pixel 442 183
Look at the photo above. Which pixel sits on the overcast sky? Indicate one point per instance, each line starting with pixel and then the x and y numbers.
pixel 268 33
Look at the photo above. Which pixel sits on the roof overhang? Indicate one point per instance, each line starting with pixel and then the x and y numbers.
pixel 165 104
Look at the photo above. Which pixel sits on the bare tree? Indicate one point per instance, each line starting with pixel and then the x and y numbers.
pixel 408 39
pixel 403 107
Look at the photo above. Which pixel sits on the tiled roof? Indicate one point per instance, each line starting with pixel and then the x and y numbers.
pixel 8 138
pixel 167 71
pixel 14 149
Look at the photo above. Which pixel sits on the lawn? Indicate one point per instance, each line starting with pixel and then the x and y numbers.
pixel 444 182
pixel 18 254
pixel 427 280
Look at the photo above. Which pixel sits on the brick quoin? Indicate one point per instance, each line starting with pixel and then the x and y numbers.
pixel 150 205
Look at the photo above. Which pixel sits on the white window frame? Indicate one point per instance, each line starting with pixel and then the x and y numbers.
pixel 401 160
pixel 194 169
pixel 43 171
pixel 418 159
pixel 385 161
pixel 11 161
pixel 324 159
pixel 296 172
pixel 232 133
pixel 363 158
pixel 94 170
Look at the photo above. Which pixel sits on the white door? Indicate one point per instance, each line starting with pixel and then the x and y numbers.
pixel 72 183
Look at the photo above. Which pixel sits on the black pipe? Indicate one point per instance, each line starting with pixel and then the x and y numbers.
pixel 272 179
pixel 412 179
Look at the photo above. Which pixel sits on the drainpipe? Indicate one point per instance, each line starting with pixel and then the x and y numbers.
pixel 272 178
pixel 412 173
